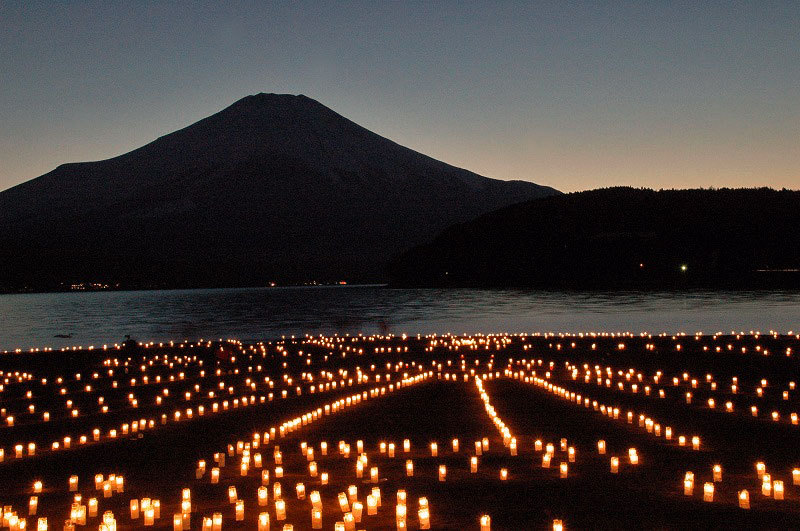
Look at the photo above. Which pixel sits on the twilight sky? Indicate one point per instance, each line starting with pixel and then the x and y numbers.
pixel 575 95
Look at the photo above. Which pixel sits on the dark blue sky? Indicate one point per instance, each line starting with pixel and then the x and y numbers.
pixel 575 95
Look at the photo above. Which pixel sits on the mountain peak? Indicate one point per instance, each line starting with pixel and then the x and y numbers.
pixel 275 186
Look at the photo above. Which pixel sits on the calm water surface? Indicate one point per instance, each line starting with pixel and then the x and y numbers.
pixel 28 320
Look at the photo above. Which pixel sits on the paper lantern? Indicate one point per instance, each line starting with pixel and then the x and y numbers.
pixel 473 464
pixel 239 510
pixel 424 518
pixel 563 469
pixel 372 505
pixel 442 472
pixel 486 523
pixel 503 474
pixel 614 465
pixel 766 485
pixel 263 522
pixel 357 510
pixel 263 496
pixel 744 499
pixel 323 478
pixel 601 447
pixel 316 519
pixel 409 468
pixel 717 471
pixel 708 492
pixel 134 509
pixel 777 489
pixel 280 510
pixel 406 445
pixel 434 449
pixel 558 525
pixel 546 460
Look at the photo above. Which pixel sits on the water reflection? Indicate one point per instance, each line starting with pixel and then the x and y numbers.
pixel 94 318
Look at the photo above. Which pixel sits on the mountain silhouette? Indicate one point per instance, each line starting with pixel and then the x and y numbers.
pixel 619 238
pixel 272 188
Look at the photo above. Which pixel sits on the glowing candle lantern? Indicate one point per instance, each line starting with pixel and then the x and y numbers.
pixel 263 522
pixel 278 471
pixel 614 465
pixel 41 524
pixel 744 499
pixel 372 505
pixel 546 460
pixel 708 492
pixel 668 433
pixel 761 468
pixel 473 464
pixel 177 522
pixel 503 474
pixel 681 440
pixel 558 525
pixel 323 478
pixel 486 523
pixel 357 510
pixel 316 519
pixel 777 489
pixel 301 491
pixel 563 469
pixel 633 456
pixel 409 468
pixel 215 475
pixel 149 516
pixel 442 473
pixel 232 495
pixel 478 448
pixel 134 509
pixel 434 449
pixel 717 471
pixel 796 476
pixel 571 454
pixel 280 510
pixel 73 483
pixel 276 491
pixel 92 507
pixel 263 496
pixel 601 447
pixel 239 510
pixel 754 411
pixel 37 486
pixel 406 445
pixel 485 444
pixel 344 503
pixel 455 445
pixel 33 505
pixel 766 485
pixel 391 449
pixel 376 493
pixel 216 520
pixel 424 518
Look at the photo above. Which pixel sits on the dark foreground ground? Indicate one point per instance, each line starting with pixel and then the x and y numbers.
pixel 531 383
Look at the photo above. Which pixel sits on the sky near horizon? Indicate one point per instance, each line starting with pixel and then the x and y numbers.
pixel 574 95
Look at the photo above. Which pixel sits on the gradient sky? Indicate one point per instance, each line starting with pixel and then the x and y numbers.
pixel 575 95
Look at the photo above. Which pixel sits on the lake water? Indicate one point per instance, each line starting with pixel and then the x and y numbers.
pixel 32 320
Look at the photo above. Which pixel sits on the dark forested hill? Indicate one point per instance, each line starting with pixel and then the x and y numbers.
pixel 274 187
pixel 619 238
